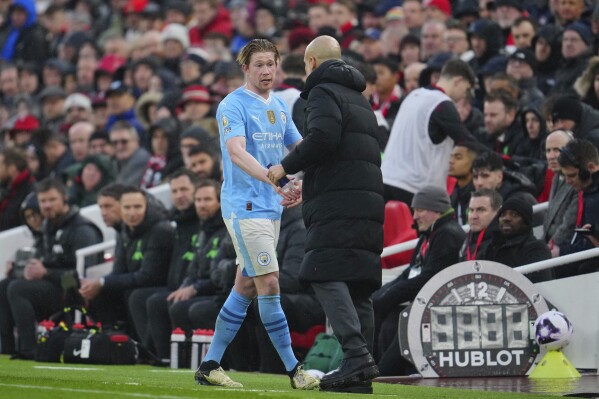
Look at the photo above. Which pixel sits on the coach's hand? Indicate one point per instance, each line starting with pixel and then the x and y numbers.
pixel 276 173
pixel 289 202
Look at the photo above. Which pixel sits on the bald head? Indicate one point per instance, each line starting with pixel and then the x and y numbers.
pixel 321 49
pixel 556 140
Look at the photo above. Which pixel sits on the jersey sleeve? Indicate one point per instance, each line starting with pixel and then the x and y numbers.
pixel 292 135
pixel 230 120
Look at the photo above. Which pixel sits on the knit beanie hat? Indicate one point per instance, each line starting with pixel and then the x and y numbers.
pixel 583 31
pixel 521 206
pixel 432 198
pixel 442 5
pixel 567 107
pixel 517 4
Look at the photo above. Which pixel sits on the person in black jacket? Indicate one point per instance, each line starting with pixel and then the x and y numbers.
pixel 438 245
pixel 42 290
pixel 16 183
pixel 343 206
pixel 488 172
pixel 579 161
pixel 149 303
pixel 516 244
pixel 482 219
pixel 142 254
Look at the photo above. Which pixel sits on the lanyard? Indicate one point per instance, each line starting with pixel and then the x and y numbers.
pixel 580 209
pixel 478 241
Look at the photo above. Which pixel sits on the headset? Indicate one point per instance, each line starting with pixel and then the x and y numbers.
pixel 583 173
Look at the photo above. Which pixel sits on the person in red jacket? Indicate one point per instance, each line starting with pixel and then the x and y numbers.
pixel 210 17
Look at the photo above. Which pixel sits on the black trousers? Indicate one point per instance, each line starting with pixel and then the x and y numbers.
pixel 142 309
pixel 349 310
pixel 22 303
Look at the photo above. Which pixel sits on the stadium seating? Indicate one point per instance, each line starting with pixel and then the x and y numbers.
pixel 397 229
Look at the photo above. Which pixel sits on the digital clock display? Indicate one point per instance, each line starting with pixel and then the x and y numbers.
pixel 472 319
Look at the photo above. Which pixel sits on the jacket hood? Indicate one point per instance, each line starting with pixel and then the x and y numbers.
pixel 491 33
pixel 543 127
pixel 335 71
pixel 552 35
pixel 105 165
pixel 143 104
pixel 585 82
pixel 29 7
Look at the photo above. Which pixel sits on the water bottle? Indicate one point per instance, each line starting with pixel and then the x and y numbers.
pixel 285 184
pixel 200 343
pixel 177 340
pixel 43 329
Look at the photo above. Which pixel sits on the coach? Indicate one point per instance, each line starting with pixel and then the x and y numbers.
pixel 343 207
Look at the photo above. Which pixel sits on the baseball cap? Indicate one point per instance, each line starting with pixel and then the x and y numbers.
pixel 118 87
pixel 525 55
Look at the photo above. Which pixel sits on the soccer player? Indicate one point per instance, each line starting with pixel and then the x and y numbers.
pixel 254 127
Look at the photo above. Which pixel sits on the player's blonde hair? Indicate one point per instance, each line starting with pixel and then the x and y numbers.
pixel 257 46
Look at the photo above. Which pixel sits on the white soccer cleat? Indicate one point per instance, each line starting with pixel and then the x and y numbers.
pixel 303 380
pixel 216 377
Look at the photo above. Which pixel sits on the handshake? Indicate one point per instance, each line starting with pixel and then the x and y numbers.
pixel 288 188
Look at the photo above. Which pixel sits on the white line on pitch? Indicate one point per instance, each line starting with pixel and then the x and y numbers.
pixel 67 368
pixel 115 393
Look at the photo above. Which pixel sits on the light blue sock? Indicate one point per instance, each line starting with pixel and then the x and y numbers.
pixel 275 322
pixel 228 322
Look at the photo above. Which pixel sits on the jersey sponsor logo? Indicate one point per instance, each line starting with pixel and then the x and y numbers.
pixel 267 136
pixel 227 130
pixel 224 120
pixel 271 117
pixel 283 117
pixel 263 259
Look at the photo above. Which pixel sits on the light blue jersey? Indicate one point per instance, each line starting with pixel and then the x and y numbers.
pixel 268 128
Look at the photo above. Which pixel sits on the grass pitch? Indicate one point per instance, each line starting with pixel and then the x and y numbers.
pixel 31 380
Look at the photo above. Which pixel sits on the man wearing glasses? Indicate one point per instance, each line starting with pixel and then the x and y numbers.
pixel 131 158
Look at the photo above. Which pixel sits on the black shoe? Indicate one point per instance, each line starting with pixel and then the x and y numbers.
pixel 351 372
pixel 364 387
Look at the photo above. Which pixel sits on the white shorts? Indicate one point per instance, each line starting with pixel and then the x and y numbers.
pixel 255 242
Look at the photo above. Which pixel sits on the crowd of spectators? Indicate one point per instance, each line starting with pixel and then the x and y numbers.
pixel 125 91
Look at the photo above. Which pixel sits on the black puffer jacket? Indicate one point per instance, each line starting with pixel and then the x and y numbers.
pixel 519 250
pixel 142 254
pixel 343 202
pixel 62 239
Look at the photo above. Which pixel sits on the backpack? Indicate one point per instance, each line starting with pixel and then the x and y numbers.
pixel 325 354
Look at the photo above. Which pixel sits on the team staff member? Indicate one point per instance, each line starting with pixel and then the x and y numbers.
pixel 343 207
pixel 254 128
pixel 427 126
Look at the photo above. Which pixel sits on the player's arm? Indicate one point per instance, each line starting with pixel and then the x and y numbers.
pixel 245 160
pixel 445 121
